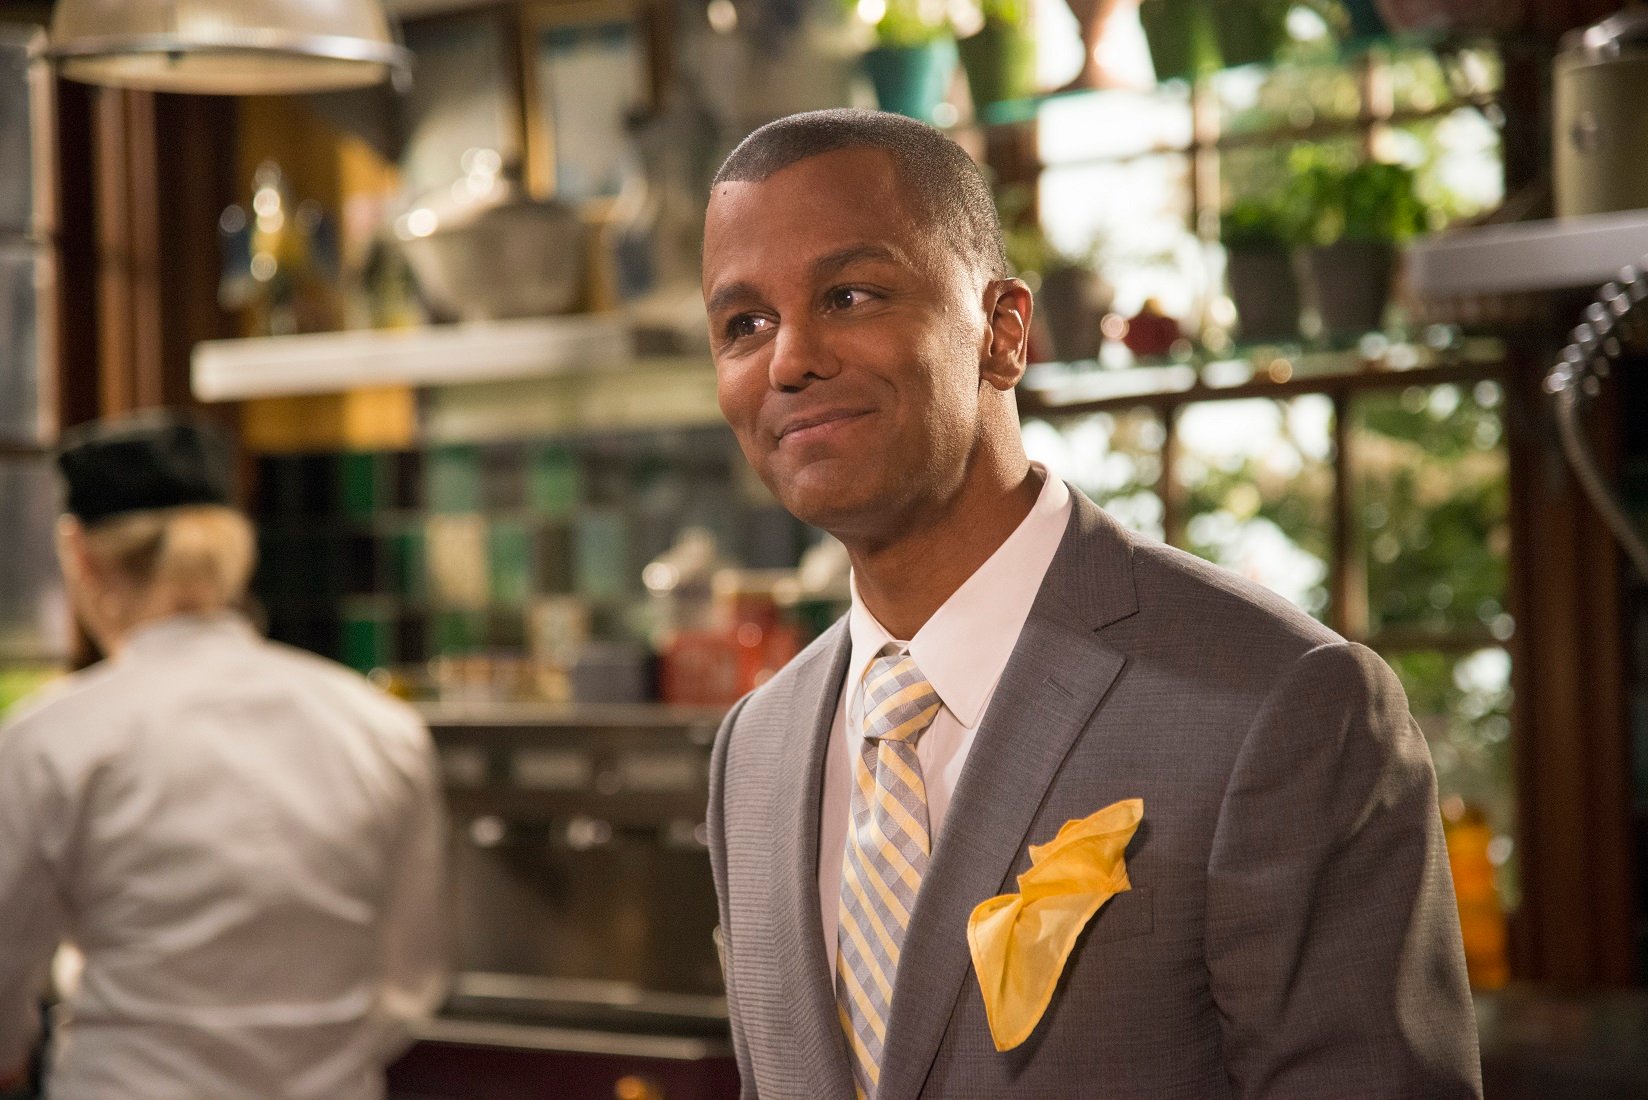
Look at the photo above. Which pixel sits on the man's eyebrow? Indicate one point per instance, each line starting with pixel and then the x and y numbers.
pixel 833 262
pixel 732 294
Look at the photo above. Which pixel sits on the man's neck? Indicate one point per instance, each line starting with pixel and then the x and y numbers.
pixel 903 581
pixel 113 632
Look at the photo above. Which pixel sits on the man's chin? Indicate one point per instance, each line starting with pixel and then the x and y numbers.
pixel 830 507
pixel 853 519
pixel 841 495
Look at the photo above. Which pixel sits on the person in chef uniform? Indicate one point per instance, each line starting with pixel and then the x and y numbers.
pixel 244 841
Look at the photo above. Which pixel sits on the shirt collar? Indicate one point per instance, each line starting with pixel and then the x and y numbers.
pixel 160 636
pixel 964 647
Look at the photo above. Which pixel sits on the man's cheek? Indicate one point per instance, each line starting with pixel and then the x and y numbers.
pixel 758 457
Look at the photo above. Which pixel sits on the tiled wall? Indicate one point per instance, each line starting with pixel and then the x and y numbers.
pixel 389 558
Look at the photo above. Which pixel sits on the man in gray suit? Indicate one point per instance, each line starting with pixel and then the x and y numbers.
pixel 1015 660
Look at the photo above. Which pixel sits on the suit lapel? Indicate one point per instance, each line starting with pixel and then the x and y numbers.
pixel 794 823
pixel 1057 677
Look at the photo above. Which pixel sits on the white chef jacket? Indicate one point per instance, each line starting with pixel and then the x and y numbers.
pixel 245 842
pixel 962 651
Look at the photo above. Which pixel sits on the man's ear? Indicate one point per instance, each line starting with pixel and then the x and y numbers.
pixel 72 555
pixel 1007 353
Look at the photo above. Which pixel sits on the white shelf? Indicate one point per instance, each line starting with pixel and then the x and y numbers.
pixel 436 355
pixel 1527 257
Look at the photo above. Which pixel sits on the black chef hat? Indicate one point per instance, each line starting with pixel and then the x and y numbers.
pixel 155 459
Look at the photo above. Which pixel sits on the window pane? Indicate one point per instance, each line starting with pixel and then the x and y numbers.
pixel 1115 458
pixel 16 152
pixel 458 102
pixel 33 621
pixel 1131 219
pixel 1457 158
pixel 1286 96
pixel 1432 506
pixel 1256 478
pixel 1265 170
pixel 1422 80
pixel 1462 702
pixel 589 76
pixel 1116 123
pixel 19 345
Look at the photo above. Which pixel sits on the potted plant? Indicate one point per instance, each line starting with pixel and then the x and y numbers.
pixel 1000 60
pixel 1250 31
pixel 1259 236
pixel 1452 16
pixel 1354 219
pixel 1071 296
pixel 1183 42
pixel 913 58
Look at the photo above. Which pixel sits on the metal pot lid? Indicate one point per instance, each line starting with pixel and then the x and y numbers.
pixel 1607 40
pixel 443 211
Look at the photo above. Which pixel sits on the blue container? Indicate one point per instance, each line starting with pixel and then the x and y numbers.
pixel 912 80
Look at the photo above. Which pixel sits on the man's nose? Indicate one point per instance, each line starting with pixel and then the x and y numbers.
pixel 800 356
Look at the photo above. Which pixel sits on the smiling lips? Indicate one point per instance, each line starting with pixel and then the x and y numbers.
pixel 815 424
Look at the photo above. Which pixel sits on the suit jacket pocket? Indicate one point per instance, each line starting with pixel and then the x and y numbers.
pixel 1123 917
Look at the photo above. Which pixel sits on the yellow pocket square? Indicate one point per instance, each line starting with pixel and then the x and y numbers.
pixel 1020 941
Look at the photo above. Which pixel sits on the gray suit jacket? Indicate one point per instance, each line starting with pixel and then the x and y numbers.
pixel 1291 930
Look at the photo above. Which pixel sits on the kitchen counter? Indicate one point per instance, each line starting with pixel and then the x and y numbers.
pixel 513 1037
pixel 1548 1045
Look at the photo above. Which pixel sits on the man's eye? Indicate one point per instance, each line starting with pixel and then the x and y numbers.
pixel 847 297
pixel 745 324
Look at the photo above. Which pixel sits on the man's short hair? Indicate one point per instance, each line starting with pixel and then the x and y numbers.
pixel 947 189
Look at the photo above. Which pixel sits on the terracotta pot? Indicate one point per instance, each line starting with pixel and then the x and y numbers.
pixel 1266 292
pixel 1093 18
pixel 1350 284
pixel 1451 15
pixel 1151 333
pixel 1074 301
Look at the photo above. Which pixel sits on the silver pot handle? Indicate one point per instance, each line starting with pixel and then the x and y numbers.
pixel 1615 323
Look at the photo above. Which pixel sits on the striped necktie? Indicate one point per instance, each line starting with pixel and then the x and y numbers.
pixel 887 849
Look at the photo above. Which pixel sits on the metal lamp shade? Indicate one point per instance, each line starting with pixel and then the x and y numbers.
pixel 226 47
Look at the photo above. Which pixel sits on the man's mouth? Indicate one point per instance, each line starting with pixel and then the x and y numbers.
pixel 816 425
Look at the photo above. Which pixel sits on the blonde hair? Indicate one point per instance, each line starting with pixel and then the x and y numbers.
pixel 199 559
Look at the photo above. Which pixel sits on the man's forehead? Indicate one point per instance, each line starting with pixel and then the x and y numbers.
pixel 847 172
pixel 841 201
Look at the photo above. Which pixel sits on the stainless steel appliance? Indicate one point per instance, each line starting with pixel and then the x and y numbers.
pixel 1601 139
pixel 584 908
pixel 581 881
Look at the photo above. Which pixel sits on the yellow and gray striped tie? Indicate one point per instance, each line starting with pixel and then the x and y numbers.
pixel 887 850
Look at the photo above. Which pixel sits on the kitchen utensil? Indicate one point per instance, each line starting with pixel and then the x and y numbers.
pixel 503 254
pixel 1601 140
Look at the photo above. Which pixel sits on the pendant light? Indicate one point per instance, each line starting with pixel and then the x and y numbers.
pixel 226 47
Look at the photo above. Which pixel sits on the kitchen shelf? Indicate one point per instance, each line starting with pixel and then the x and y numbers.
pixel 509 997
pixel 476 351
pixel 1282 370
pixel 1556 254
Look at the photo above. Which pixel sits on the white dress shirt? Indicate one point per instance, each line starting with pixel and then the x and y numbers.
pixel 962 650
pixel 245 842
